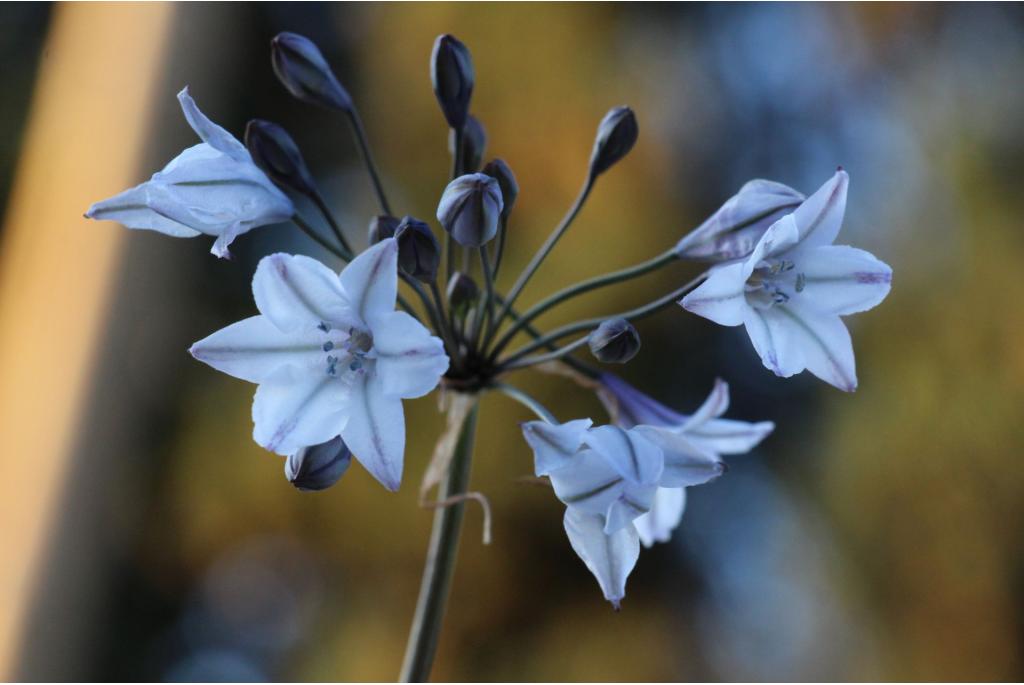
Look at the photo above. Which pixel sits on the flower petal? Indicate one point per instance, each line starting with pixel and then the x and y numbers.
pixel 628 452
pixel 209 132
pixel 726 436
pixel 296 292
pixel 130 209
pixel 554 445
pixel 791 337
pixel 820 217
pixel 292 410
pixel 714 406
pixel 721 297
pixel 375 431
pixel 589 483
pixel 253 349
pixel 409 360
pixel 664 517
pixel 686 463
pixel 630 406
pixel 610 558
pixel 635 501
pixel 839 279
pixel 371 280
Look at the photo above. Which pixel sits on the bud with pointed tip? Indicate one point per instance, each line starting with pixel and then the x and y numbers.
pixel 419 253
pixel 474 143
pixel 277 155
pixel 302 69
pixel 463 292
pixel 451 72
pixel 616 135
pixel 733 231
pixel 318 467
pixel 502 173
pixel 469 209
pixel 615 341
pixel 382 227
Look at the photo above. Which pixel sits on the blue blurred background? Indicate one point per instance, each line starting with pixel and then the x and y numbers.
pixel 873 536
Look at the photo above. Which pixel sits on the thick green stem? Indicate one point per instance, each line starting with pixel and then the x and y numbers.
pixel 440 566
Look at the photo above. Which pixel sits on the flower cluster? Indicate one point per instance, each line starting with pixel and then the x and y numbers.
pixel 333 358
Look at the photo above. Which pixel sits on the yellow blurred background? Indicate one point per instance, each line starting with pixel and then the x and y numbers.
pixel 878 535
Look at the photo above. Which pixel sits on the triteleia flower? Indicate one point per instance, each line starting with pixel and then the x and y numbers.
pixel 608 477
pixel 331 356
pixel 213 188
pixel 793 288
pixel 704 431
pixel 733 231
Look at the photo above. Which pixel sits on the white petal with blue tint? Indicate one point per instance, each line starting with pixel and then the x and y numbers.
pixel 665 515
pixel 292 410
pixel 253 349
pixel 375 431
pixel 297 292
pixel 839 279
pixel 610 558
pixel 409 360
pixel 554 445
pixel 820 217
pixel 371 280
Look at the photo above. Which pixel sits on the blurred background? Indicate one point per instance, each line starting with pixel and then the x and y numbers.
pixel 144 536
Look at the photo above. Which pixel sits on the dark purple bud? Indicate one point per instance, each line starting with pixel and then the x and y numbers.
pixel 382 227
pixel 615 341
pixel 277 155
pixel 474 143
pixel 451 72
pixel 302 69
pixel 469 209
pixel 462 293
pixel 734 230
pixel 419 253
pixel 318 467
pixel 502 173
pixel 615 138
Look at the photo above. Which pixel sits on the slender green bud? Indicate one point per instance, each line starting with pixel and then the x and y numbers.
pixel 451 72
pixel 502 173
pixel 302 69
pixel 615 341
pixel 318 467
pixel 474 143
pixel 419 253
pixel 277 155
pixel 381 227
pixel 616 135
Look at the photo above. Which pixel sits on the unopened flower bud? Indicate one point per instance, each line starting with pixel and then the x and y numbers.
pixel 474 143
pixel 615 138
pixel 733 231
pixel 451 72
pixel 469 209
pixel 382 227
pixel 277 155
pixel 318 467
pixel 615 341
pixel 462 293
pixel 302 69
pixel 419 253
pixel 502 173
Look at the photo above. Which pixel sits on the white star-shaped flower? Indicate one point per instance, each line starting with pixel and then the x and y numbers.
pixel 331 356
pixel 792 290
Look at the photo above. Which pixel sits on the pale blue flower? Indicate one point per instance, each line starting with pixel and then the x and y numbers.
pixel 793 288
pixel 212 188
pixel 331 356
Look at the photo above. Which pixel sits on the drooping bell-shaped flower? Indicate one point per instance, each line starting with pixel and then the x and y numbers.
pixel 793 288
pixel 331 356
pixel 704 432
pixel 469 209
pixel 733 231
pixel 212 188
